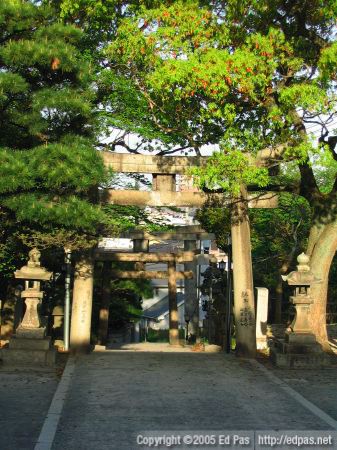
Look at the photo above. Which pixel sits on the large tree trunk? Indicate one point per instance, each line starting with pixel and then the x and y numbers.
pixel 322 247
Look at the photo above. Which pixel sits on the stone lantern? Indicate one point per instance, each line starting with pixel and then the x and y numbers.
pixel 33 274
pixel 299 348
pixel 30 346
pixel 301 279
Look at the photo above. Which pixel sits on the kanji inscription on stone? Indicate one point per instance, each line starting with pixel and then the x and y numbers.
pixel 83 311
pixel 246 315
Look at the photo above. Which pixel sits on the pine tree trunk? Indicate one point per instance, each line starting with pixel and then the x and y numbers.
pixel 322 254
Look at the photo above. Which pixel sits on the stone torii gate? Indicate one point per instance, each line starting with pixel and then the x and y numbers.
pixel 164 170
pixel 189 258
pixel 171 259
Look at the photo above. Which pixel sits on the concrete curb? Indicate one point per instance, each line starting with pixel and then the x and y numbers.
pixel 298 397
pixel 47 434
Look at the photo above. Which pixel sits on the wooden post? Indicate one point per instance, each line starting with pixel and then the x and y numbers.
pixel 191 293
pixel 173 307
pixel 82 305
pixel 244 308
pixel 105 303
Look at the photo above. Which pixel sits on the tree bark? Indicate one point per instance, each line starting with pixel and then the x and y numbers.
pixel 322 254
pixel 315 232
pixel 279 287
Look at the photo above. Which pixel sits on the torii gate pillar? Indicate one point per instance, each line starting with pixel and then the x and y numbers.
pixel 82 305
pixel 244 307
pixel 105 303
pixel 191 293
pixel 173 307
pixel 167 183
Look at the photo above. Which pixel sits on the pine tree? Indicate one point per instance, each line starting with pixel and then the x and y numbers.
pixel 49 165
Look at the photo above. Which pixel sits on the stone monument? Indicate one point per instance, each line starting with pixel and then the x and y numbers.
pixel 30 345
pixel 299 348
pixel 262 295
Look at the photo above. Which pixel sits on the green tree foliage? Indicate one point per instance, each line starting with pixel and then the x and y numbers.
pixel 49 166
pixel 277 236
pixel 48 163
pixel 250 74
pixel 125 304
pixel 126 301
pixel 132 217
pixel 119 103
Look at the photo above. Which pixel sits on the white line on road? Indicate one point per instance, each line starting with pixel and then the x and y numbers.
pixel 47 434
pixel 290 391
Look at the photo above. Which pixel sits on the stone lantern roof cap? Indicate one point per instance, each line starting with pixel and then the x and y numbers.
pixel 303 276
pixel 33 269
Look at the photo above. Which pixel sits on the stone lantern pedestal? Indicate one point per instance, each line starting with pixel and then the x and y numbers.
pixel 299 347
pixel 30 345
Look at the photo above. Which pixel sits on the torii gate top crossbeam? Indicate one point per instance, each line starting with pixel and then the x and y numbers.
pixel 124 162
pixel 164 169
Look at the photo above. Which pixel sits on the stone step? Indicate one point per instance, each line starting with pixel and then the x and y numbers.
pixel 29 344
pixel 299 361
pixel 284 347
pixel 28 357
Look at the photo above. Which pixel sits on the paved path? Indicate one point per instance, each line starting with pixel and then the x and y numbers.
pixel 25 396
pixel 115 394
